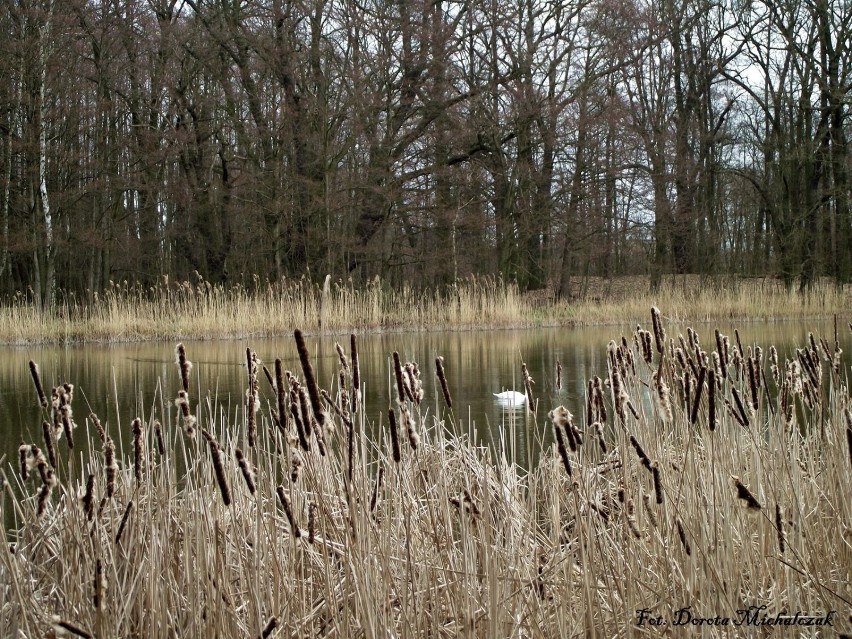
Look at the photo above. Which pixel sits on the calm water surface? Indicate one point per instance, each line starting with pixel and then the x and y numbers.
pixel 120 382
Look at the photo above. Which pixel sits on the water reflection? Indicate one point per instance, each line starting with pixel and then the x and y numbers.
pixel 120 382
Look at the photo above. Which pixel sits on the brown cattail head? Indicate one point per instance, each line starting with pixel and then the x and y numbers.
pixel 295 415
pixel 848 415
pixel 745 494
pixel 123 523
pixel 89 498
pixel 246 470
pixel 295 466
pixel 442 377
pixel 779 527
pixel 377 488
pixel 42 398
pixel 310 379
pixel 410 429
pixel 356 374
pixel 110 467
pixel 699 387
pixel 640 452
pixel 271 625
pixel 288 511
pixel 184 365
pixel 659 331
pixel 138 450
pixel 658 487
pixel 599 434
pixel 400 384
pixel 560 446
pixel 49 445
pixel 312 522
pixel 158 437
pixel 652 516
pixel 218 467
pixel 683 540
pixel 24 454
pixel 98 585
pixel 558 375
pixel 182 402
pixel 397 455
pixel 711 398
pixel 280 394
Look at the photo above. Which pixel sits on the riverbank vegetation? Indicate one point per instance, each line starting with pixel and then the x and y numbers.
pixel 701 474
pixel 200 310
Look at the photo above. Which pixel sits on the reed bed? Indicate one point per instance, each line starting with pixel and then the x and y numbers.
pixel 201 310
pixel 697 480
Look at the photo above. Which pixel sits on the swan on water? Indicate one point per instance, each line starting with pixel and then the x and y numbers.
pixel 511 397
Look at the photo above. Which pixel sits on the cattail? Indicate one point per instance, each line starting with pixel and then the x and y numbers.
pixel 779 527
pixel 268 376
pixel 271 625
pixel 400 386
pixel 42 398
pixel 98 585
pixel 43 498
pixel 722 352
pixel 280 394
pixel 528 382
pixel 295 466
pixel 742 414
pixel 184 365
pixel 560 446
pixel 310 380
pixel 659 331
pixel 640 452
pixel 24 451
pixel 110 466
pixel 218 467
pixel 745 494
pixel 377 488
pixel 98 426
pixel 752 382
pixel 558 375
pixel 356 374
pixel 89 498
pixel 312 522
pixel 288 511
pixel 252 406
pixel 590 402
pixel 304 409
pixel 70 627
pixel 599 433
pixel 49 445
pixel 182 402
pixel 693 416
pixel 408 424
pixel 599 399
pixel 138 450
pixel 123 523
pixel 158 437
pixel 683 540
pixel 663 395
pixel 397 456
pixel 658 488
pixel 711 398
pixel 442 377
pixel 248 475
pixel 848 415
pixel 300 428
pixel 474 509
pixel 652 517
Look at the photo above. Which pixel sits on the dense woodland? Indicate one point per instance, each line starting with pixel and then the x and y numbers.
pixel 422 140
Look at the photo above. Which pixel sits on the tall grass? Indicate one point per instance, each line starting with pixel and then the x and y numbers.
pixel 201 310
pixel 639 504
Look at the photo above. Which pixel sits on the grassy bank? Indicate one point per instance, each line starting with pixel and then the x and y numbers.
pixel 713 479
pixel 204 311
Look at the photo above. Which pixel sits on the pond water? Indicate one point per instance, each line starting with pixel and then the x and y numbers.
pixel 120 382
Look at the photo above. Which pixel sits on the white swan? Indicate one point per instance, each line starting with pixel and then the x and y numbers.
pixel 513 398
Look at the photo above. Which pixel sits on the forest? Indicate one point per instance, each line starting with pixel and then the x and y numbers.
pixel 422 141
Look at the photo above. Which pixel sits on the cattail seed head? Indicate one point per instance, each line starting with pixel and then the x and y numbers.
pixel 123 523
pixel 442 377
pixel 659 331
pixel 49 445
pixel 288 511
pixel 158 437
pixel 246 470
pixel 310 379
pixel 312 522
pixel 397 456
pixel 683 540
pixel 218 467
pixel 138 450
pixel 89 498
pixel 356 374
pixel 746 495
pixel 34 372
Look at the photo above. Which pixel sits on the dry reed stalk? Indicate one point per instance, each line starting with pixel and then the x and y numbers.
pixel 184 366
pixel 397 456
pixel 123 523
pixel 89 498
pixel 310 379
pixel 34 372
pixel 138 451
pixel 246 470
pixel 288 511
pixel 442 377
pixel 745 494
pixel 218 467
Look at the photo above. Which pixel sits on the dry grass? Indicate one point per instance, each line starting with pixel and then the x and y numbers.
pixel 453 540
pixel 173 311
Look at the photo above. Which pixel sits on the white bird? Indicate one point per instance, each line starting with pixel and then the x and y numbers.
pixel 513 398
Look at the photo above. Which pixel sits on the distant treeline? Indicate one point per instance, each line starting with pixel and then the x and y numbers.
pixel 422 140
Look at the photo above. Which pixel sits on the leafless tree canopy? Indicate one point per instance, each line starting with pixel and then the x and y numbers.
pixel 422 140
